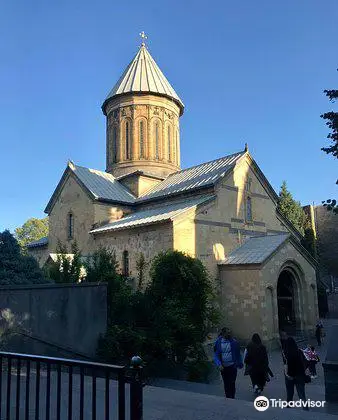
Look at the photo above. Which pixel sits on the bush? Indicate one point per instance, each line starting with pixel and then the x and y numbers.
pixel 16 268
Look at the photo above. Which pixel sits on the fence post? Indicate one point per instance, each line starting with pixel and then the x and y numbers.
pixel 136 389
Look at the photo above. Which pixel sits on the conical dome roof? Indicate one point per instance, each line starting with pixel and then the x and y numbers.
pixel 144 76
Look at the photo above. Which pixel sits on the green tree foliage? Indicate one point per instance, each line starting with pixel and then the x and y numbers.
pixel 292 209
pixel 141 266
pixel 331 119
pixel 66 268
pixel 32 230
pixel 102 267
pixel 169 320
pixel 16 268
pixel 309 242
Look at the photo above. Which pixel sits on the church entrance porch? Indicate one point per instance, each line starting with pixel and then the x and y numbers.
pixel 269 285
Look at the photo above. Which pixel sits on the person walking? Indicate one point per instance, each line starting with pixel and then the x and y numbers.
pixel 319 332
pixel 312 359
pixel 257 363
pixel 227 357
pixel 294 369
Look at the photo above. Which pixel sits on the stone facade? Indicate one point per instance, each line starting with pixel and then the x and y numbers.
pixel 249 295
pixel 142 134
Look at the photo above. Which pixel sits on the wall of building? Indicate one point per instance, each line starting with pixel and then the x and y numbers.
pixel 40 253
pixel 55 320
pixel 222 226
pixel 149 109
pixel 249 295
pixel 148 240
pixel 241 301
pixel 326 225
pixel 289 256
pixel 72 199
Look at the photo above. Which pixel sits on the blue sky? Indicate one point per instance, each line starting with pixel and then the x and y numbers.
pixel 248 71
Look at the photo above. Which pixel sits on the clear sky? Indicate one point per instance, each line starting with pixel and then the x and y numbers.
pixel 247 71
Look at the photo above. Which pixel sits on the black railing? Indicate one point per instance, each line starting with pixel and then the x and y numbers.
pixel 46 388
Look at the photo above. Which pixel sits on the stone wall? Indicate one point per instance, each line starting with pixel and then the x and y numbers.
pixel 222 225
pixel 55 320
pixel 249 295
pixel 148 240
pixel 326 224
pixel 72 199
pixel 162 159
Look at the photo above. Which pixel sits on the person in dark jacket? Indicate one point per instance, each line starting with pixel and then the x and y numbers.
pixel 319 332
pixel 227 357
pixel 295 365
pixel 257 362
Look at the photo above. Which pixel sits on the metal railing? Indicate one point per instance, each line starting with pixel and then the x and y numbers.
pixel 39 387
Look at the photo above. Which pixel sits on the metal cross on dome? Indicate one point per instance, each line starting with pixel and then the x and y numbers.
pixel 144 37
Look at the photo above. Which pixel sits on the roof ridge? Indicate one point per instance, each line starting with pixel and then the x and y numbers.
pixel 206 163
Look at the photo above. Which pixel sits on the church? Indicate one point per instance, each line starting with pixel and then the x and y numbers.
pixel 223 212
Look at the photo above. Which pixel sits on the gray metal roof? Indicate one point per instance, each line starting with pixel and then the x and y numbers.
pixel 143 75
pixel 153 215
pixel 102 185
pixel 40 242
pixel 256 250
pixel 192 178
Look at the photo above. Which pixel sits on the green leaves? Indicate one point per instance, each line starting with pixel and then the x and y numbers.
pixel 16 268
pixel 331 205
pixel 32 230
pixel 331 119
pixel 292 209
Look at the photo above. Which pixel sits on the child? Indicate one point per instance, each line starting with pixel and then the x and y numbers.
pixel 312 359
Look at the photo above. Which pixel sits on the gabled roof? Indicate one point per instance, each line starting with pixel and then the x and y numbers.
pixel 39 242
pixel 154 215
pixel 143 76
pixel 199 176
pixel 255 250
pixel 100 185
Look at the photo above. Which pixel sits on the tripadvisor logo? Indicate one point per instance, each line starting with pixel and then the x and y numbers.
pixel 262 403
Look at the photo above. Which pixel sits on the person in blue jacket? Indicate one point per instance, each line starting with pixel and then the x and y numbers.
pixel 227 357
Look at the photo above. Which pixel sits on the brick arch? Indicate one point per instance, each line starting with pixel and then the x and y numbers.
pixel 291 307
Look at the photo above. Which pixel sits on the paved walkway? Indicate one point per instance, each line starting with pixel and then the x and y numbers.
pixel 179 400
pixel 274 389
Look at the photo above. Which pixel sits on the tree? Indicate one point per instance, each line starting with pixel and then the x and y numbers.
pixel 32 230
pixel 141 266
pixel 292 209
pixel 16 268
pixel 180 296
pixel 66 268
pixel 331 119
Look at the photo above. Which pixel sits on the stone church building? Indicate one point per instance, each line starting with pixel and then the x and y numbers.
pixel 223 212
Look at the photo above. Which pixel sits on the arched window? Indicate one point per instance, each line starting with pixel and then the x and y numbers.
pixel 125 263
pixel 127 135
pixel 70 226
pixel 114 143
pixel 248 209
pixel 141 138
pixel 157 140
pixel 169 144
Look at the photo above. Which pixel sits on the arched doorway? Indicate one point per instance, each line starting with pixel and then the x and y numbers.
pixel 287 299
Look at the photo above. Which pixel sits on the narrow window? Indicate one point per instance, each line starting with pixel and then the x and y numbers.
pixel 114 144
pixel 125 271
pixel 169 144
pixel 70 226
pixel 248 209
pixel 157 140
pixel 127 140
pixel 141 135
